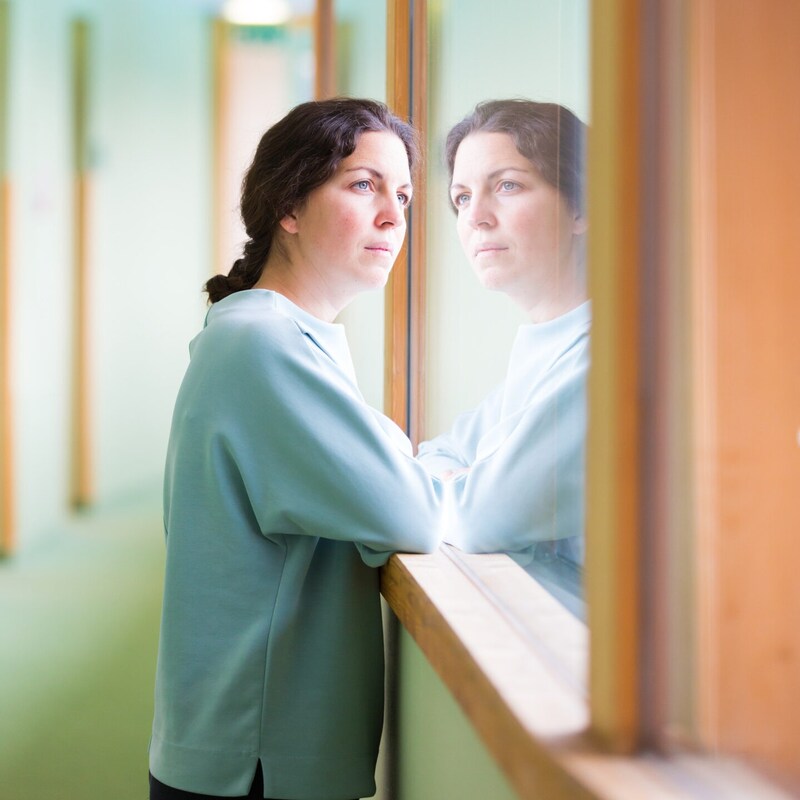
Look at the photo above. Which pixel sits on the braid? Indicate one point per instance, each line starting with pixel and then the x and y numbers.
pixel 244 273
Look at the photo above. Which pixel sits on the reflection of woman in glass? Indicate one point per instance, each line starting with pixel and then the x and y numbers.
pixel 517 174
pixel 283 488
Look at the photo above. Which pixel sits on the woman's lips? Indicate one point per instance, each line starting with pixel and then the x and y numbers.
pixel 380 248
pixel 489 247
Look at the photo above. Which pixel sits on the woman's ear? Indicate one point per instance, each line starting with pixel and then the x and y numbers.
pixel 580 225
pixel 289 223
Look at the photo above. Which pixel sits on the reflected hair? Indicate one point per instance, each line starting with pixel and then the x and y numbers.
pixel 550 136
pixel 295 156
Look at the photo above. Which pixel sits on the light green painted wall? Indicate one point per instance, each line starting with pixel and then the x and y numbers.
pixel 441 756
pixel 537 49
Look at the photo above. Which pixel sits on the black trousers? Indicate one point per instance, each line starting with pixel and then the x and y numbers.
pixel 160 791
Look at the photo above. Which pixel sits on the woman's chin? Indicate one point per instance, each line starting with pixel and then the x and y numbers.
pixel 494 280
pixel 375 279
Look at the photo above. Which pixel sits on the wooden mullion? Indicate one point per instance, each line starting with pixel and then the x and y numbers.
pixel 398 93
pixel 404 326
pixel 419 214
pixel 613 455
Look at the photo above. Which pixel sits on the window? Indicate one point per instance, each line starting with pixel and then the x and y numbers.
pixel 692 441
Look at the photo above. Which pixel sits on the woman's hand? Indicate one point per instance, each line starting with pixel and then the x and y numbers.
pixel 452 474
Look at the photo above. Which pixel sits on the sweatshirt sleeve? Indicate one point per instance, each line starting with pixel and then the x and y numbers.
pixel 458 447
pixel 527 486
pixel 282 428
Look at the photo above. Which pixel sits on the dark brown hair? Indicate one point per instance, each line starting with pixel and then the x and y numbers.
pixel 550 136
pixel 295 156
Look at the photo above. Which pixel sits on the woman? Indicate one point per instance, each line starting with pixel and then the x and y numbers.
pixel 517 175
pixel 283 488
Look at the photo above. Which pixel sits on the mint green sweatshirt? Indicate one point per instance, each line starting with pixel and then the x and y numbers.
pixel 283 491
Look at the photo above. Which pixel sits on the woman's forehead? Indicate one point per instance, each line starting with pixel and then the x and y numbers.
pixel 484 154
pixel 382 151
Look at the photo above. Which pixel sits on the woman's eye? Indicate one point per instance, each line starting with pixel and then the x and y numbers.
pixel 461 200
pixel 508 186
pixel 362 185
pixel 404 199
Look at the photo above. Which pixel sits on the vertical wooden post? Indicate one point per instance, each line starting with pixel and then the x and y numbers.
pixel 613 457
pixel 82 487
pixel 406 92
pixel 6 407
pixel 324 50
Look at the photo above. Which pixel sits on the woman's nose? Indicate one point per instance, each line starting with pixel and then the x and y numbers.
pixel 391 212
pixel 479 213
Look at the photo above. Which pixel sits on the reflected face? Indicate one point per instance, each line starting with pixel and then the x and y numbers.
pixel 348 233
pixel 517 230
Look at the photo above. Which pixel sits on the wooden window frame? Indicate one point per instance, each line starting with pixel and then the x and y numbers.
pixel 404 338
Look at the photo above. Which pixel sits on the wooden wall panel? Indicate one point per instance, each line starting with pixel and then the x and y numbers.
pixel 747 126
pixel 6 407
pixel 324 50
pixel 82 479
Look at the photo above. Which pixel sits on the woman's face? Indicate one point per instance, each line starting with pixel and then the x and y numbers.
pixel 348 233
pixel 517 230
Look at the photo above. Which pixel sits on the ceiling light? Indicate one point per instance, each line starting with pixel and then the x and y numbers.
pixel 256 12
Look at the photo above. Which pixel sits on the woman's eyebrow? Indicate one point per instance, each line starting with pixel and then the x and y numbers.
pixel 500 171
pixel 376 174
pixel 493 174
pixel 371 170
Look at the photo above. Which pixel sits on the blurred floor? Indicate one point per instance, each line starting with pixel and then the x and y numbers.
pixel 79 619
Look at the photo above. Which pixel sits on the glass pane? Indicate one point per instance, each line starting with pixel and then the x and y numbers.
pixel 508 318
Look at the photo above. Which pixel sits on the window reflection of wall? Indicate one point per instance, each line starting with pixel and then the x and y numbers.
pixel 515 48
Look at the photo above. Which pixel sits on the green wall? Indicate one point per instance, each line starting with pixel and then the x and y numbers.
pixel 441 756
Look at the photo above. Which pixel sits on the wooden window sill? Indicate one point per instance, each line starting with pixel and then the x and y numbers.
pixel 515 661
